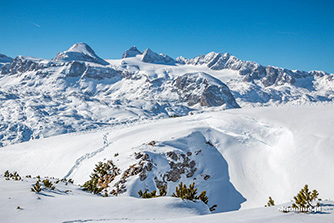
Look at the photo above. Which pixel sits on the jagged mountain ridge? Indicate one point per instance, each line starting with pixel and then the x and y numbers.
pixel 148 56
pixel 269 75
pixel 77 90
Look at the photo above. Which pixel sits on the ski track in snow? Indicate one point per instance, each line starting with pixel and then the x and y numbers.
pixel 79 161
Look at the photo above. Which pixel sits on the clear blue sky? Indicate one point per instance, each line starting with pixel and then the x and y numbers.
pixel 291 34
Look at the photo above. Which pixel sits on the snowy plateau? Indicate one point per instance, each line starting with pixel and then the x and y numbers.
pixel 240 131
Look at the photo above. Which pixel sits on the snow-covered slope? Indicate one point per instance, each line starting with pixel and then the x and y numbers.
pixel 240 157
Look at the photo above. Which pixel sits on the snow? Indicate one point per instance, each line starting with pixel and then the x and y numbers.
pixel 78 206
pixel 256 153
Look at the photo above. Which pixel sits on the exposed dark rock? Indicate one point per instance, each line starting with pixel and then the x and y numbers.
pixel 172 155
pixel 132 52
pixel 198 152
pixel 203 89
pixel 148 166
pixel 209 143
pixel 151 57
pixel 138 155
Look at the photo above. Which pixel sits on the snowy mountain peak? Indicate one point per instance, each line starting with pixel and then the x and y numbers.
pixel 132 52
pixel 5 59
pixel 80 52
pixel 82 48
pixel 151 57
pixel 4 62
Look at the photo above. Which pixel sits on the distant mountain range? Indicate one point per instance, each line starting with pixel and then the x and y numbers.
pixel 78 90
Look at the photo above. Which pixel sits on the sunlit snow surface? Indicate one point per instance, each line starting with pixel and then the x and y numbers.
pixel 255 153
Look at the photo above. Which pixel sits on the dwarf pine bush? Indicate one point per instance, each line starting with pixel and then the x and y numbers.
pixel 14 176
pixel 270 203
pixel 304 199
pixel 36 188
pixel 146 194
pixel 48 184
pixel 102 175
pixel 190 193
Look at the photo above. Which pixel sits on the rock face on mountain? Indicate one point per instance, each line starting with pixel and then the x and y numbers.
pixel 202 88
pixel 5 59
pixel 80 52
pixel 4 62
pixel 250 71
pixel 132 52
pixel 148 56
pixel 151 57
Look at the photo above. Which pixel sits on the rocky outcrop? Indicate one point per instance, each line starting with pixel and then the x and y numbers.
pixel 132 52
pixel 151 57
pixel 203 89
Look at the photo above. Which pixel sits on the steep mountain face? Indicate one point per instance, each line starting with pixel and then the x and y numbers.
pixel 132 52
pixel 151 57
pixel 148 56
pixel 80 52
pixel 203 89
